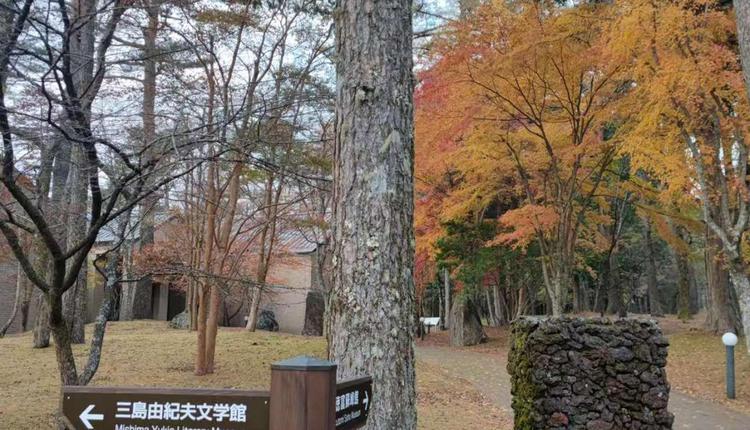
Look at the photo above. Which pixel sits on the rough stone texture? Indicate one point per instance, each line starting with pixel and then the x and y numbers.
pixel 593 374
pixel 315 308
pixel 267 321
pixel 466 327
pixel 180 321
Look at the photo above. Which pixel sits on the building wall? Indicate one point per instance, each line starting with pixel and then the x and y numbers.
pixel 8 294
pixel 292 277
pixel 8 279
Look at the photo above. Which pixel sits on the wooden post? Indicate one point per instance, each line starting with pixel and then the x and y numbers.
pixel 303 394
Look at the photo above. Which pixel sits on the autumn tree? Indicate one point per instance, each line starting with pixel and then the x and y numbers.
pixel 529 92
pixel 687 116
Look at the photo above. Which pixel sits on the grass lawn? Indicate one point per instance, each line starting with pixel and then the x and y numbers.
pixel 147 353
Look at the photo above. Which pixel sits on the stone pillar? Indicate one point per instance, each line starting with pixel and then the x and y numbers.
pixel 592 374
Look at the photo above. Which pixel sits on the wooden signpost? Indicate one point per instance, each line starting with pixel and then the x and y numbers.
pixel 304 396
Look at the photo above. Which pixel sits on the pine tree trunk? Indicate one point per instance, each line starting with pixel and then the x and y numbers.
pixel 142 300
pixel 372 303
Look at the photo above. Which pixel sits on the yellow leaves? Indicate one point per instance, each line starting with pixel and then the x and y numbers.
pixel 687 85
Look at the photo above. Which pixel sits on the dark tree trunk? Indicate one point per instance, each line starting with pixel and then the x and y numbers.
pixel 447 299
pixel 683 287
pixel 467 327
pixel 41 324
pixel 654 302
pixel 683 273
pixel 615 302
pixel 501 306
pixel 74 300
pixel 722 310
pixel 372 304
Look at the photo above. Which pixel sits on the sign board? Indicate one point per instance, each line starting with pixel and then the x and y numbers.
pixel 104 408
pixel 353 399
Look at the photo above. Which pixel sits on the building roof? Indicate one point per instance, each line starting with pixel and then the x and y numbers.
pixel 297 242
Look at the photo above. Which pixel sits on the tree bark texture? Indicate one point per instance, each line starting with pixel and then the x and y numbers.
pixel 372 304
pixel 741 283
pixel 742 11
pixel 683 286
pixel 74 300
pixel 16 301
pixel 722 310
pixel 467 327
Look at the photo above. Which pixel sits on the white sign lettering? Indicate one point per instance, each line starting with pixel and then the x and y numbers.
pixel 171 411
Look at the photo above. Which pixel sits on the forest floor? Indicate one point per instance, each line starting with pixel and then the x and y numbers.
pixel 147 353
pixel 695 369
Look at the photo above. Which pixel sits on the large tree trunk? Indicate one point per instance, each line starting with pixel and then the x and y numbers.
pixel 741 283
pixel 722 309
pixel 372 299
pixel 82 47
pixel 141 303
pixel 467 327
pixel 74 300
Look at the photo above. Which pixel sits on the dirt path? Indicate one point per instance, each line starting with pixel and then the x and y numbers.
pixel 488 374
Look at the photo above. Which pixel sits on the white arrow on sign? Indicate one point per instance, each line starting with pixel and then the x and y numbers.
pixel 366 401
pixel 86 417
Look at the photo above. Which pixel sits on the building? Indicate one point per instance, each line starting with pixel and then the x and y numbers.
pixel 293 291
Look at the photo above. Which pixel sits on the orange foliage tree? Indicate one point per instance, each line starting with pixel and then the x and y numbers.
pixel 518 102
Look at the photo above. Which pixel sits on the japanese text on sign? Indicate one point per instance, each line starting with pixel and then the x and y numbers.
pixel 173 411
